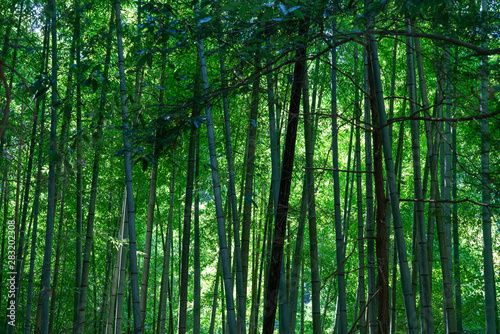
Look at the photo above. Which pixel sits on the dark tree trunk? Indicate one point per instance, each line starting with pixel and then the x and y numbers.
pixel 285 184
pixel 381 238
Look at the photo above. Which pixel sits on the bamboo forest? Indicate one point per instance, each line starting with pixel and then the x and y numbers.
pixel 250 166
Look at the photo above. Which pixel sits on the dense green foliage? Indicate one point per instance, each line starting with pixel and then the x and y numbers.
pixel 167 97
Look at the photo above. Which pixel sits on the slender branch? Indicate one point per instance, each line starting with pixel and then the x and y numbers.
pixel 2 63
pixel 363 311
pixel 445 201
pixel 443 119
pixel 478 49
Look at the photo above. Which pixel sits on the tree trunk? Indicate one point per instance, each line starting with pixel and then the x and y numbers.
pixel 361 289
pixel 166 251
pixel 79 178
pixel 489 271
pixel 370 223
pixel 381 237
pixel 226 267
pixel 147 247
pixel 296 261
pixel 286 179
pixel 409 300
pixel 311 206
pixel 427 322
pixel 186 229
pixel 240 290
pixel 134 280
pixel 250 198
pixel 116 270
pixel 27 326
pixel 214 300
pixel 450 323
pixel 120 292
pixel 196 250
pixel 57 263
pixel 49 230
pixel 456 252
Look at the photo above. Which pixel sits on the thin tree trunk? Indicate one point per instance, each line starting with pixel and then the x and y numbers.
pixel 427 322
pixel 257 265
pixel 381 236
pixel 490 301
pixel 456 252
pixel 226 266
pixel 45 59
pixel 249 199
pixel 101 327
pixel 90 225
pixel 186 229
pixel 445 162
pixel 57 263
pixel 79 179
pixel 120 294
pixel 49 230
pixel 425 104
pixel 370 223
pixel 409 299
pixel 196 250
pixel 154 171
pixel 446 173
pixel 264 260
pixel 147 247
pixel 450 322
pixel 240 290
pixel 128 178
pixel 166 250
pixel 164 290
pixel 302 302
pixel 27 326
pixel 116 270
pixel 398 167
pixel 360 291
pixel 311 206
pixel 215 296
pixel 296 261
pixel 341 310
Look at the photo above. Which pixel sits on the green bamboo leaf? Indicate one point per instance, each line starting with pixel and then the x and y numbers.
pixel 205 20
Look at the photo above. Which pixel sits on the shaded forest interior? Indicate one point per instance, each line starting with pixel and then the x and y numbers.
pixel 223 166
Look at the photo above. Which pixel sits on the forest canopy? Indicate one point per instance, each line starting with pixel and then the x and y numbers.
pixel 223 166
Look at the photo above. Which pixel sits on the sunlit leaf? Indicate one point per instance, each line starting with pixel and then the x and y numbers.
pixel 205 20
pixel 282 8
